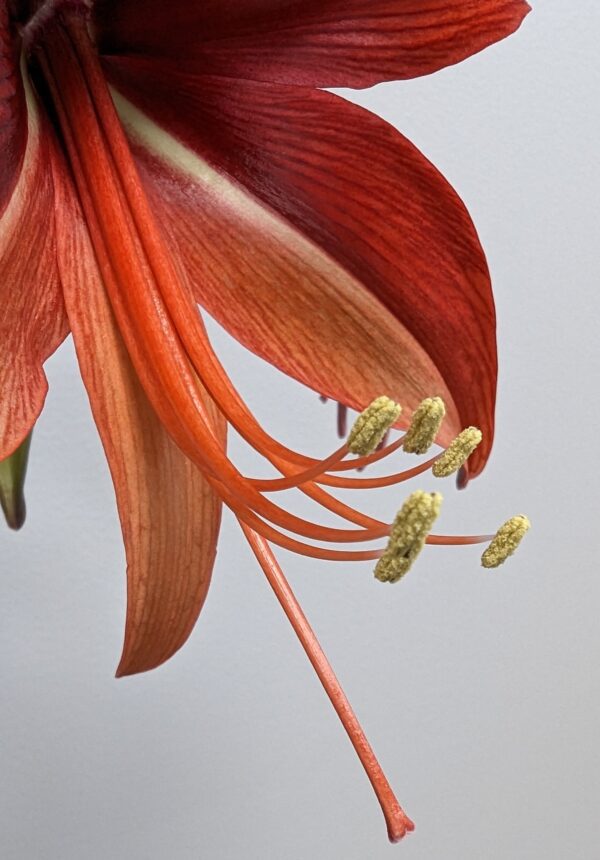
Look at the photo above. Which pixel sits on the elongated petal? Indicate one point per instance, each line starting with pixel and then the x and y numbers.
pixel 169 515
pixel 357 201
pixel 13 112
pixel 32 315
pixel 324 43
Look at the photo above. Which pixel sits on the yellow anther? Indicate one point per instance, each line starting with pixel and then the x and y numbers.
pixel 506 540
pixel 412 525
pixel 424 425
pixel 457 453
pixel 371 425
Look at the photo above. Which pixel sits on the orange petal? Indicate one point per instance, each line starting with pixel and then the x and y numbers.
pixel 32 316
pixel 169 515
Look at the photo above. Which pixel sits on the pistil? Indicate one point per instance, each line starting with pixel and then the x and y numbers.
pixel 396 819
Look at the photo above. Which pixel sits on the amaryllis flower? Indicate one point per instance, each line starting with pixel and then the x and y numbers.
pixel 158 154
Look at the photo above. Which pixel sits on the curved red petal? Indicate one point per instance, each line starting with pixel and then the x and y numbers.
pixel 324 43
pixel 13 112
pixel 169 514
pixel 354 187
pixel 32 317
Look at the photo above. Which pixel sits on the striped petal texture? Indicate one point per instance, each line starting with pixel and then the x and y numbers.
pixel 32 315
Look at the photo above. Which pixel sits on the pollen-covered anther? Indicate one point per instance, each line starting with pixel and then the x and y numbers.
pixel 457 453
pixel 372 424
pixel 506 540
pixel 424 425
pixel 413 523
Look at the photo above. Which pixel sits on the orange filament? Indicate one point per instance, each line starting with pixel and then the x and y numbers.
pixel 333 463
pixel 311 551
pixel 369 459
pixel 372 483
pixel 296 479
pixel 457 540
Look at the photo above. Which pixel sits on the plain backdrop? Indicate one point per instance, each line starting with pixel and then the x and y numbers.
pixel 478 690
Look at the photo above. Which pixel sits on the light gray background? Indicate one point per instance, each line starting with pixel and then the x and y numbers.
pixel 479 690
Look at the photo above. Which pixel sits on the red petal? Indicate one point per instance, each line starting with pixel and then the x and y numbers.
pixel 324 43
pixel 278 292
pixel 13 113
pixel 358 191
pixel 169 515
pixel 32 315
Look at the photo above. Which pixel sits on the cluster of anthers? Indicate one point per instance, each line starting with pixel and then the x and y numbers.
pixel 411 529
pixel 412 526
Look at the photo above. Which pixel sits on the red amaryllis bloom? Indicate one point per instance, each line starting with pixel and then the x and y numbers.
pixel 155 155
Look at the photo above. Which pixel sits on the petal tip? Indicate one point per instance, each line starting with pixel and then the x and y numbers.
pixel 522 11
pixel 14 514
pixel 132 664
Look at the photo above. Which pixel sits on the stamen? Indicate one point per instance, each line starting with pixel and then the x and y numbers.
pixel 506 540
pixel 457 453
pixel 424 425
pixel 409 532
pixel 372 424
